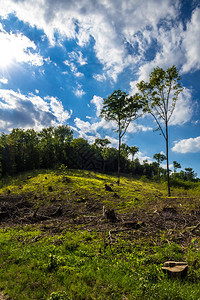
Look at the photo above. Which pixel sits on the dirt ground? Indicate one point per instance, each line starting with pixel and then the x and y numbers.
pixel 179 225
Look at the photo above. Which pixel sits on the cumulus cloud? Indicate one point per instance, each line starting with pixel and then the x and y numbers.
pixel 133 128
pixel 29 111
pixel 113 141
pixel 85 127
pixel 121 32
pixel 57 109
pixel 184 108
pixel 143 157
pixel 191 43
pixel 98 102
pixel 18 48
pixel 191 145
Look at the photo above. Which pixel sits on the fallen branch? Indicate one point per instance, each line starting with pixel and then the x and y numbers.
pixel 35 212
pixel 57 213
pixel 195 227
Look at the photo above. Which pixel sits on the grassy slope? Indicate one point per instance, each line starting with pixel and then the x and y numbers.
pixel 80 256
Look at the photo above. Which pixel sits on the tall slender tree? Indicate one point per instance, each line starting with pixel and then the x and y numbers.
pixel 122 109
pixel 159 96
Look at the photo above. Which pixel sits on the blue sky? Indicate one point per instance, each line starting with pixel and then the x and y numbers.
pixel 60 58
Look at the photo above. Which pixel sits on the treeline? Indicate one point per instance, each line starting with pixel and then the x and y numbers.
pixel 25 150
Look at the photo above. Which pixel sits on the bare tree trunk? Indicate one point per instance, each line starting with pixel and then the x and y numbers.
pixel 167 154
pixel 119 156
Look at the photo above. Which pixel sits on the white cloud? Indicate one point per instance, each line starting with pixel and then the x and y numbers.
pixel 78 91
pixel 29 111
pixel 85 130
pixel 133 128
pixel 85 127
pixel 100 77
pixel 38 102
pixel 184 108
pixel 164 166
pixel 191 43
pixel 168 52
pixel 191 145
pixel 113 141
pixel 58 109
pixel 141 156
pixel 18 48
pixel 98 102
pixel 121 31
pixel 78 57
pixel 73 69
pixel 3 80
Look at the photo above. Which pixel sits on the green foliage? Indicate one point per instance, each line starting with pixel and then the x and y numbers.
pixel 24 150
pixel 159 157
pixel 161 93
pixel 159 97
pixel 178 182
pixel 176 165
pixel 121 109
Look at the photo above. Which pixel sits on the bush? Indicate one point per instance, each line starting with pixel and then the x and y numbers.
pixel 178 183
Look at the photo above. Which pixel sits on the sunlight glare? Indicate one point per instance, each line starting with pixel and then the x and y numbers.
pixel 6 52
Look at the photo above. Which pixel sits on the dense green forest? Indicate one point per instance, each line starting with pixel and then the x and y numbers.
pixel 24 150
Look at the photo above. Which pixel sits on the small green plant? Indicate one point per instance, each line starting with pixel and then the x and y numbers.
pixel 59 296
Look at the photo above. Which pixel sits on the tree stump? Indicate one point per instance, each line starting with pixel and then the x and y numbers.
pixel 175 269
pixel 108 188
pixel 110 215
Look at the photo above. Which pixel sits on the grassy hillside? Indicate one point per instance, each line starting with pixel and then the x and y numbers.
pixel 56 243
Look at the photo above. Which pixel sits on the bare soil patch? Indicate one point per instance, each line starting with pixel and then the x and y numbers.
pixel 179 225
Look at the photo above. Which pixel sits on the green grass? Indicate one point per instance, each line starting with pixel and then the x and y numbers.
pixel 132 193
pixel 78 265
pixel 81 263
